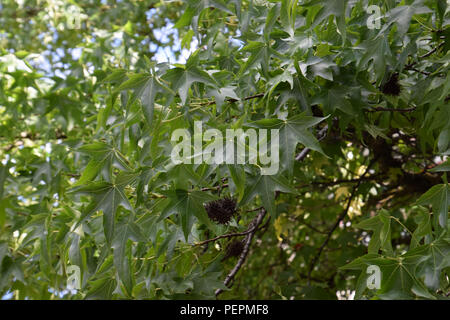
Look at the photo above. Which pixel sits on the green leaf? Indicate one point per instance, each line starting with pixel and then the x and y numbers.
pixel 101 289
pixel 104 157
pixel 398 279
pixel 443 167
pixel 433 261
pixel 378 51
pixel 117 75
pixel 265 186
pixel 292 131
pixel 125 231
pixel 271 19
pixel 3 175
pixel 334 8
pixel 402 15
pixel 439 197
pixel 189 205
pixel 107 197
pixel 145 87
pixel 238 176
pixel 182 79
pixel 381 227
pixel 4 204
pixel 259 53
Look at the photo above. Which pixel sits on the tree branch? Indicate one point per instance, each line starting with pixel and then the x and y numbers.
pixel 231 100
pixel 229 235
pixel 426 55
pixel 257 221
pixel 336 224
pixel 375 109
pixel 340 181
pixel 248 240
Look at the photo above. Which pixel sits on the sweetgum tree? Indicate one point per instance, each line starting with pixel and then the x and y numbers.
pixel 90 92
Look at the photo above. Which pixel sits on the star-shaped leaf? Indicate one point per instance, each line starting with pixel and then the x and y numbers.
pixel 381 227
pixel 124 232
pixel 292 131
pixel 189 205
pixel 439 197
pixel 265 186
pixel 398 279
pixel 182 78
pixel 145 88
pixel 107 197
pixel 378 51
pixel 402 16
pixel 103 157
pixel 435 259
pixel 334 8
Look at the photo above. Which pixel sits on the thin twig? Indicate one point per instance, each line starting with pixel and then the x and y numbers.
pixel 313 228
pixel 426 55
pixel 302 155
pixel 341 181
pixel 256 209
pixel 232 100
pixel 425 73
pixel 336 224
pixel 224 236
pixel 375 109
pixel 216 188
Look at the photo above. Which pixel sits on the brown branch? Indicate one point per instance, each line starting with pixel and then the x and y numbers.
pixel 426 55
pixel 336 224
pixel 341 181
pixel 411 65
pixel 256 209
pixel 232 100
pixel 417 70
pixel 256 222
pixel 73 175
pixel 224 236
pixel 313 228
pixel 375 109
pixel 215 188
pixel 258 95
pixel 248 240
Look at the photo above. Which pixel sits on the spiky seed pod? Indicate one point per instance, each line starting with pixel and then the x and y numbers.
pixel 229 205
pixel 213 210
pixel 392 87
pixel 217 213
pixel 221 210
pixel 234 249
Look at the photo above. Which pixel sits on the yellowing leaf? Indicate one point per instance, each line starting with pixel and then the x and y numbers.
pixel 281 227
pixel 342 191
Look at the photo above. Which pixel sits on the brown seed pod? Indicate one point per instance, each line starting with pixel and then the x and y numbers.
pixel 234 249
pixel 229 205
pixel 392 87
pixel 221 210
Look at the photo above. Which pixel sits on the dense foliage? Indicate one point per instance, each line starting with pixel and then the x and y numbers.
pixel 88 106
